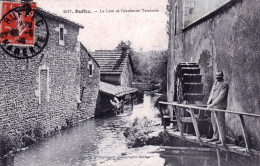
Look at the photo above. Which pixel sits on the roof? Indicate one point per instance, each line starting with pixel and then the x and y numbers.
pixel 55 16
pixel 115 90
pixel 227 5
pixel 110 61
pixel 84 48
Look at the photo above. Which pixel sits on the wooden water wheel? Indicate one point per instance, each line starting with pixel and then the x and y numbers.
pixel 188 86
pixel 188 89
pixel 179 85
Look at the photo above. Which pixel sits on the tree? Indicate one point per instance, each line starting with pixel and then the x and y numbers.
pixel 125 47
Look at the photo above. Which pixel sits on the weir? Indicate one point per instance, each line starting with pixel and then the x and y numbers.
pixel 179 133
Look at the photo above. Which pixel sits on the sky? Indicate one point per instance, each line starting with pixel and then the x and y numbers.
pixel 146 30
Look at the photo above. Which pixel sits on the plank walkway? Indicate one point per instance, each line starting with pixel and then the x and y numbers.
pixel 177 108
pixel 230 147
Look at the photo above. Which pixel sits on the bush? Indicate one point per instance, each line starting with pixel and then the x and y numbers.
pixel 145 132
pixel 10 142
pixel 137 134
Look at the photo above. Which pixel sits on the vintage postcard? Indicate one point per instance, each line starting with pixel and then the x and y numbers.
pixel 129 82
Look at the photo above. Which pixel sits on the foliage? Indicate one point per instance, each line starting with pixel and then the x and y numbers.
pixel 125 47
pixel 137 135
pixel 11 142
pixel 144 132
pixel 151 67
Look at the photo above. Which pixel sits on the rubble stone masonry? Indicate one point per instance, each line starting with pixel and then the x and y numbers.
pixel 89 86
pixel 127 74
pixel 39 96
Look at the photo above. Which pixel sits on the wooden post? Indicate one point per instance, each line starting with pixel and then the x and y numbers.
pixel 162 119
pixel 220 130
pixel 176 110
pixel 218 156
pixel 132 103
pixel 245 134
pixel 195 124
pixel 171 110
pixel 227 156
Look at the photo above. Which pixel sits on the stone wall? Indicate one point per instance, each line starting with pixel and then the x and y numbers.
pixel 127 74
pixel 89 86
pixel 53 76
pixel 111 78
pixel 226 40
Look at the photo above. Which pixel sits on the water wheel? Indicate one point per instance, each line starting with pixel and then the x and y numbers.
pixel 188 89
pixel 188 86
pixel 179 85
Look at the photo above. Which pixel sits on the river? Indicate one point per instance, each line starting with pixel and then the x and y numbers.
pixel 100 142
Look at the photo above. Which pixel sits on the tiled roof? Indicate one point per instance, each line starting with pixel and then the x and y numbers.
pixel 115 90
pixel 110 61
pixel 55 16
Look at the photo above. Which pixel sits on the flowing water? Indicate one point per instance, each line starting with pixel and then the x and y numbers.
pixel 101 142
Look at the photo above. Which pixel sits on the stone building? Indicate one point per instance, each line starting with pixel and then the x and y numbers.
pixel 221 35
pixel 88 87
pixel 108 91
pixel 115 67
pixel 50 91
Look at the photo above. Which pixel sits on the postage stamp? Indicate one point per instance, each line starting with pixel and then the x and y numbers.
pixel 17 23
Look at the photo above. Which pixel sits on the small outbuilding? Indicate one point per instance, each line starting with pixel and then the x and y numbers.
pixel 108 92
pixel 116 67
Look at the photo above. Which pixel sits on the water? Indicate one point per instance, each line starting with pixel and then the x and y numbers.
pixel 101 142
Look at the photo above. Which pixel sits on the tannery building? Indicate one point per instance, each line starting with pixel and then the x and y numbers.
pixel 115 67
pixel 50 91
pixel 221 35
pixel 116 76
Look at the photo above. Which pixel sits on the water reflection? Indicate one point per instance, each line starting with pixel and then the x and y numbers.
pixel 101 142
pixel 208 159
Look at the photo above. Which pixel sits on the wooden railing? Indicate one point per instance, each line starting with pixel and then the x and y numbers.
pixel 177 108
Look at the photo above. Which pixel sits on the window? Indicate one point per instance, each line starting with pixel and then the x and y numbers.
pixel 43 86
pixel 175 20
pixel 90 68
pixel 61 34
pixel 43 80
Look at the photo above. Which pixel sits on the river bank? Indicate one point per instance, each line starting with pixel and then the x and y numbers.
pixel 98 141
pixel 101 142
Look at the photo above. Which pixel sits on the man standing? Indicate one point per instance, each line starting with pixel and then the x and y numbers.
pixel 218 100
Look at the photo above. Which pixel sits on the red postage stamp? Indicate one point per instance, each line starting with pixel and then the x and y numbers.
pixel 17 23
